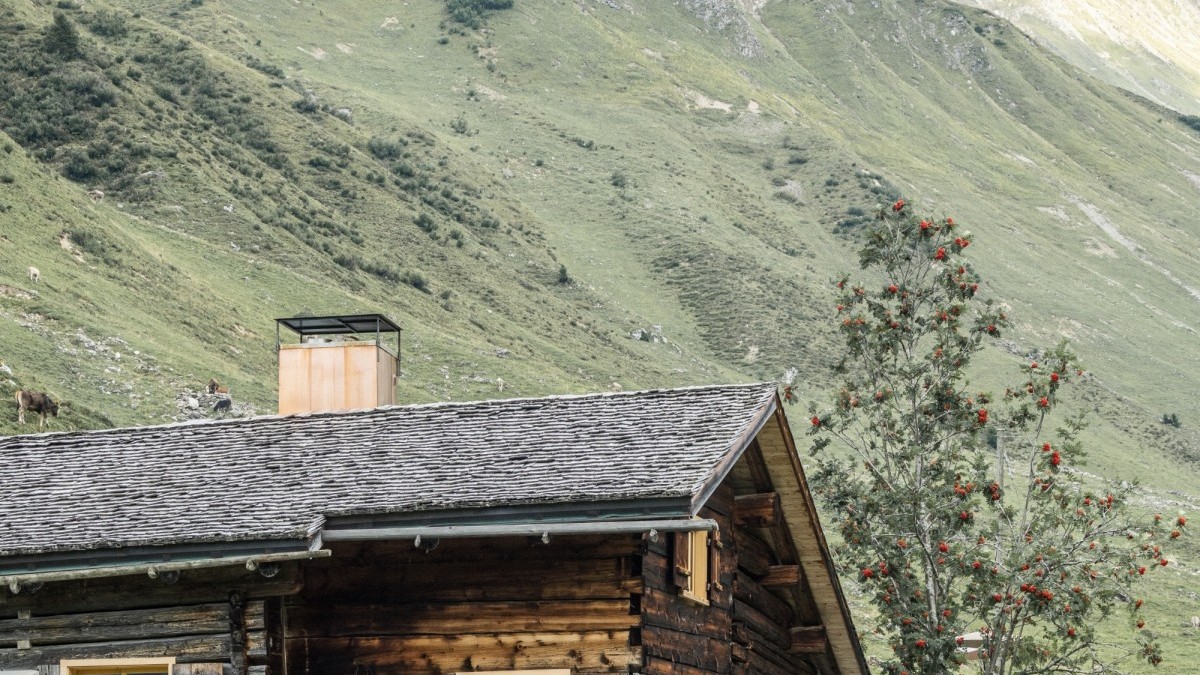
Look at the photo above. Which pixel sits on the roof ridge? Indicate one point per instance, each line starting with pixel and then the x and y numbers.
pixel 235 421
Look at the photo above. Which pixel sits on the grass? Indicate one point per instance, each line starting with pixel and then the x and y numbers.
pixel 477 164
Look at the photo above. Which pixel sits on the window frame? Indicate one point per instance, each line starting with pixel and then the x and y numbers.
pixel 131 666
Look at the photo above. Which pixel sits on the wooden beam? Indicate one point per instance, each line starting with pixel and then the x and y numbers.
pixel 781 576
pixel 809 639
pixel 350 619
pixel 754 594
pixel 757 510
pixel 753 554
pixel 137 624
pixel 186 649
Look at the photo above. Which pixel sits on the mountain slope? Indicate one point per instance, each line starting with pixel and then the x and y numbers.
pixel 1147 47
pixel 573 196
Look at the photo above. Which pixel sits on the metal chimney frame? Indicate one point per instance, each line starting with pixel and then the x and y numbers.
pixel 341 324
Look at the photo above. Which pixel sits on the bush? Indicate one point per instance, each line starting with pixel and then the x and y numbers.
pixel 385 148
pixel 426 223
pixel 108 24
pixel 417 281
pixel 62 38
pixel 471 13
pixel 1171 419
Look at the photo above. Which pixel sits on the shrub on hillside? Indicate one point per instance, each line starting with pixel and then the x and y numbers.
pixel 106 23
pixel 62 38
pixel 385 148
pixel 472 13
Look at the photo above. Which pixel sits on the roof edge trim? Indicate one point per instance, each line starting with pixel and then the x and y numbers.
pixel 15 582
pixel 544 530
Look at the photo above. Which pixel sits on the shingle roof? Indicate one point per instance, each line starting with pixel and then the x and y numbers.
pixel 280 477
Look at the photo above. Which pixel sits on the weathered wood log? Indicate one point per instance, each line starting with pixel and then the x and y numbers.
pixel 457 582
pixel 753 554
pixel 765 666
pixel 667 610
pixel 256 646
pixel 752 593
pixel 237 634
pixel 193 587
pixel 656 666
pixel 757 510
pixel 597 651
pixel 332 619
pixel 198 669
pixel 738 652
pixel 654 571
pixel 753 642
pixel 272 637
pixel 130 624
pixel 720 503
pixel 709 654
pixel 761 624
pixel 808 639
pixel 781 576
pixel 189 649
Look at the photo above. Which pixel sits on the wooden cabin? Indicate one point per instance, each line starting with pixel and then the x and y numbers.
pixel 656 532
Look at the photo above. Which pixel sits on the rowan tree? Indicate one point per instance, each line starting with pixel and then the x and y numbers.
pixel 960 511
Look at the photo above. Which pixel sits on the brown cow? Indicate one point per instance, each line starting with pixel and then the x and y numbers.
pixel 215 387
pixel 37 402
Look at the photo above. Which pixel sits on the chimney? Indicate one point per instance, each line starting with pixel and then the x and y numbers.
pixel 340 363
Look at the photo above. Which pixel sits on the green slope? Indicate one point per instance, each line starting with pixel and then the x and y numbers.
pixel 700 171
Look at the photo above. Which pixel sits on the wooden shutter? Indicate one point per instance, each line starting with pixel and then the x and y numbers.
pixel 714 566
pixel 681 560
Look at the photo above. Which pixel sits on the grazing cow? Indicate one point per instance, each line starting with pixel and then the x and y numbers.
pixel 35 275
pixel 1196 622
pixel 36 402
pixel 215 387
pixel 224 405
pixel 96 195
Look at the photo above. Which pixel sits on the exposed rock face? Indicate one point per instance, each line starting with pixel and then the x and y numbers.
pixel 729 17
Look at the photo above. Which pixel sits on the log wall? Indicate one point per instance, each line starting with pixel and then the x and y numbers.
pixel 745 628
pixel 469 604
pixel 212 621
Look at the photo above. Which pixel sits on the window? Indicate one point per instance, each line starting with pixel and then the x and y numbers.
pixel 155 666
pixel 695 569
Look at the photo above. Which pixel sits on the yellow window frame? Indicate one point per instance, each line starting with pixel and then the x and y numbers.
pixel 138 666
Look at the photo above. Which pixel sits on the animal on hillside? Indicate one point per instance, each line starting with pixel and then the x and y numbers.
pixel 35 275
pixel 224 405
pixel 215 387
pixel 1196 622
pixel 96 195
pixel 38 402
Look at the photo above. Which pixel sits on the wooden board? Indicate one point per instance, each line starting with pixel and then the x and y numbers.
pixel 602 651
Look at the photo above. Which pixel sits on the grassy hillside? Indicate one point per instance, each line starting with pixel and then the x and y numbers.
pixel 572 196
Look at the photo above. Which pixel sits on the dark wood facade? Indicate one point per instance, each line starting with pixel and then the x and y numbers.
pixel 593 604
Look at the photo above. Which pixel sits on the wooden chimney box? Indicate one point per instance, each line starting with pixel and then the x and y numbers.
pixel 329 376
